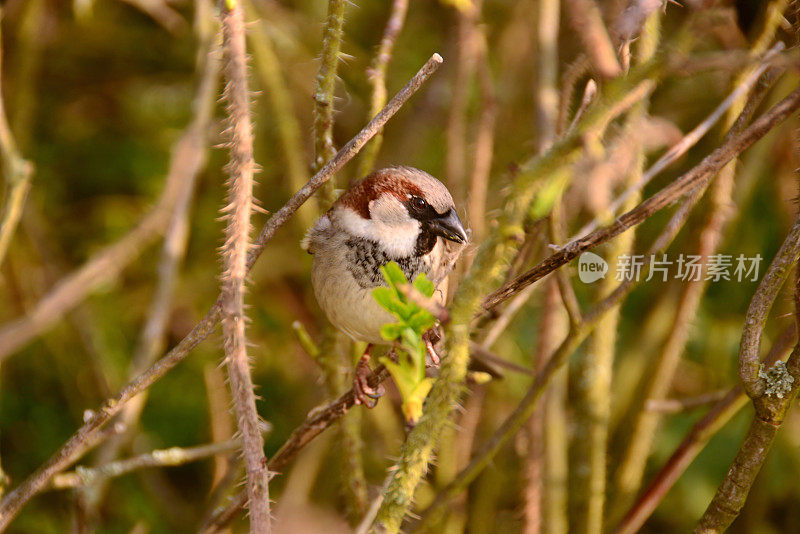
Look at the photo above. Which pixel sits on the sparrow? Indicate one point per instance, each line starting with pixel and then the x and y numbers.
pixel 399 214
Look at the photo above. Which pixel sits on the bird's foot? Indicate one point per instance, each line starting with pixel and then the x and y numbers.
pixel 364 393
pixel 427 337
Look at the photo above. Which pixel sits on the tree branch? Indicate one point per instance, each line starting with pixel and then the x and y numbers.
pixel 234 258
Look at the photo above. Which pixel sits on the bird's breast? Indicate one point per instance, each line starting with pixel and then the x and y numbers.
pixel 364 258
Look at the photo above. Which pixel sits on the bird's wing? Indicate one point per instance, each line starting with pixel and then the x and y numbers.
pixel 316 235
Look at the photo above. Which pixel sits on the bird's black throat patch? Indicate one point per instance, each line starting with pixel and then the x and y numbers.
pixel 365 258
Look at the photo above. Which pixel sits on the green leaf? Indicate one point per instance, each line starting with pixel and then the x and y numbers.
pixel 393 274
pixel 404 380
pixel 424 285
pixel 412 404
pixel 387 298
pixel 421 321
pixel 391 331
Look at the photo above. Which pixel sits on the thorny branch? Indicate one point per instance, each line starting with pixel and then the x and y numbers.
pixel 234 259
pixel 324 148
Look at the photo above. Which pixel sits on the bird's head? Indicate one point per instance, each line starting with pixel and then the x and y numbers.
pixel 404 209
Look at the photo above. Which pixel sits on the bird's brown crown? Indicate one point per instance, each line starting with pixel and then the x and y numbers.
pixel 393 181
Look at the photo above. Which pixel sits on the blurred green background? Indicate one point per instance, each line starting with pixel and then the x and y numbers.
pixel 97 92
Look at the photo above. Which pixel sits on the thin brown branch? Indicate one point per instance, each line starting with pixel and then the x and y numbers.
pixel 485 354
pixel 671 406
pixel 558 237
pixel 669 194
pixel 758 311
pixel 574 72
pixel 317 421
pixel 589 94
pixel 79 442
pixel 84 476
pixel 234 258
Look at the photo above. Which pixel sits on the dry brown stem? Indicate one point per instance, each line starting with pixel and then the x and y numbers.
pixel 234 258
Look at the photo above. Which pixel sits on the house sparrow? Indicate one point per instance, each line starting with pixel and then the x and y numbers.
pixel 396 214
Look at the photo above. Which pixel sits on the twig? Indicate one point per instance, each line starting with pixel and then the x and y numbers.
pixel 690 139
pixel 324 148
pixel 76 446
pixel 84 476
pixel 304 338
pixel 377 79
pixel 589 93
pixel 685 183
pixel 557 236
pixel 317 421
pixel 758 311
pixel 485 354
pixel 234 259
pixel 684 404
pixel 694 442
pixel 770 406
pixel 17 171
pixel 588 23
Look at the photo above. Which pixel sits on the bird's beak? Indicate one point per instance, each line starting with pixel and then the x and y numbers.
pixel 449 226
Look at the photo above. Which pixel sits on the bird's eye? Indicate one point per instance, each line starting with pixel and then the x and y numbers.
pixel 418 202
